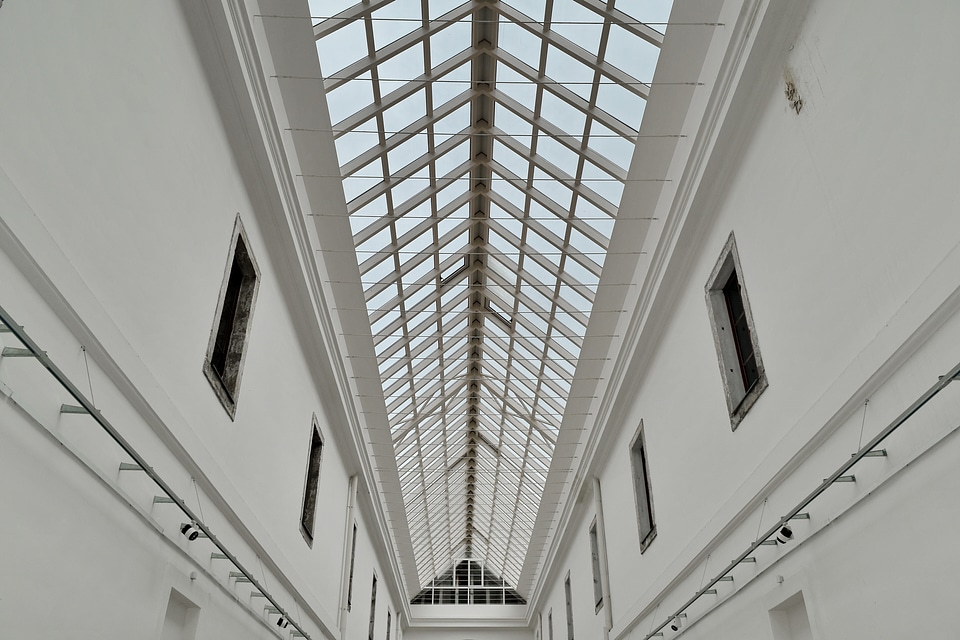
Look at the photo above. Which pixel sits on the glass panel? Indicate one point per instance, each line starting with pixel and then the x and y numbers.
pixel 451 85
pixel 515 163
pixel 340 48
pixel 405 113
pixel 352 144
pixel 561 114
pixel 569 72
pixel 602 182
pixel 519 42
pixel 321 9
pixel 613 147
pixel 631 53
pixel 401 68
pixel 343 100
pixel 395 20
pixel 624 105
pixel 450 41
pixel 532 8
pixel 405 153
pixel 558 155
pixel 587 28
pixel 440 7
pixel 514 85
pixel 653 11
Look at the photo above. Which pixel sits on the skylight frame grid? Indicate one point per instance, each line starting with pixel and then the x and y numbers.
pixel 425 393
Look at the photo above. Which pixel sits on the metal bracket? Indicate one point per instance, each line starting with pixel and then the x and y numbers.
pixel 876 453
pixel 72 408
pixel 850 478
pixel 16 352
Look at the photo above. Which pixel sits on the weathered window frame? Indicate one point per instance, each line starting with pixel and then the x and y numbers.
pixel 640 468
pixel 739 398
pixel 353 560
pixel 595 565
pixel 232 348
pixel 311 483
pixel 373 606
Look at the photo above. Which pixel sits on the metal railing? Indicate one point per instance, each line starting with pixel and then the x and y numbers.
pixel 32 349
pixel 840 475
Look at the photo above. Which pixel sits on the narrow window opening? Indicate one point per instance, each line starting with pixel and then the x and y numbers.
pixel 734 334
pixel 595 563
pixel 311 488
pixel 388 624
pixel 353 558
pixel 227 347
pixel 550 625
pixel 746 358
pixel 228 316
pixel 641 488
pixel 373 606
pixel 566 590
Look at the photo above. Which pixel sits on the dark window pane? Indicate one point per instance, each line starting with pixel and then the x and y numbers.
pixel 741 332
pixel 308 514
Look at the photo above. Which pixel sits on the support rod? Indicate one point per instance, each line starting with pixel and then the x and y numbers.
pixel 64 381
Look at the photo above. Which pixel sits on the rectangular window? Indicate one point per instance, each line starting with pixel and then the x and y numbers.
pixel 595 561
pixel 734 334
pixel 227 346
pixel 550 625
pixel 641 490
pixel 373 606
pixel 388 624
pixel 312 485
pixel 566 590
pixel 353 557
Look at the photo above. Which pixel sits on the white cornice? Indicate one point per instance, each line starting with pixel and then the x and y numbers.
pixel 249 58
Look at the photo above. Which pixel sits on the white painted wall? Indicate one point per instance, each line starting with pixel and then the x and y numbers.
pixel 845 220
pixel 120 182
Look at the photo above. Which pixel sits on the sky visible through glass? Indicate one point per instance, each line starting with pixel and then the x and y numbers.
pixel 484 148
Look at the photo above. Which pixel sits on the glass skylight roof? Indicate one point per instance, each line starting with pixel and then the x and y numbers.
pixel 484 147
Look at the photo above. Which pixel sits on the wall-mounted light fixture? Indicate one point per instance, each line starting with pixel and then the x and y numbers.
pixel 785 534
pixel 190 531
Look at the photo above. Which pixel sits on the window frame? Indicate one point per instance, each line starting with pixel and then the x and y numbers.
pixel 643 494
pixel 568 595
pixel 739 398
pixel 228 390
pixel 595 566
pixel 353 559
pixel 373 607
pixel 316 435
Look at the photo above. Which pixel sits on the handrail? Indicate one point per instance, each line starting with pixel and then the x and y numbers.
pixel 64 381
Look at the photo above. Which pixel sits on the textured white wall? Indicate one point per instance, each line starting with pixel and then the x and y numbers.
pixel 845 219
